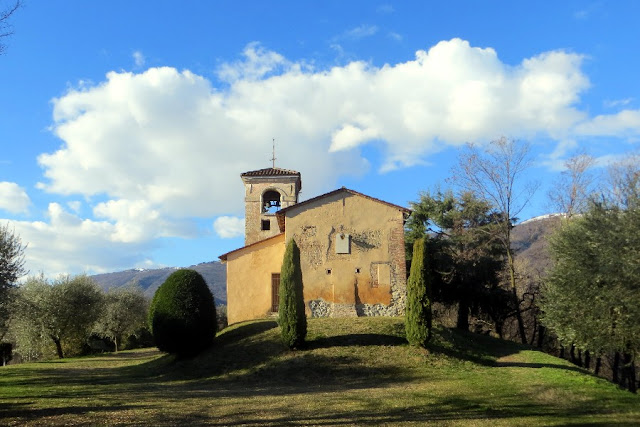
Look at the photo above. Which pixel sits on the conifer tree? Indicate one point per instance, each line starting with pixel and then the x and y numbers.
pixel 418 311
pixel 291 313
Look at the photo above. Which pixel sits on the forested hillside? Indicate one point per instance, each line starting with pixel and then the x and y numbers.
pixel 213 272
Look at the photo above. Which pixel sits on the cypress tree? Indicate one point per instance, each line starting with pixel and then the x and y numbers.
pixel 291 313
pixel 417 321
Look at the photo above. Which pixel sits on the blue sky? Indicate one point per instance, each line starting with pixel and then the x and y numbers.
pixel 124 126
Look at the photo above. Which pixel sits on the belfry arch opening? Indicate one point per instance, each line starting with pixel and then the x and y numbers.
pixel 271 202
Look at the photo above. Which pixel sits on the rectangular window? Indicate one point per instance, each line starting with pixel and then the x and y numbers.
pixel 266 225
pixel 275 292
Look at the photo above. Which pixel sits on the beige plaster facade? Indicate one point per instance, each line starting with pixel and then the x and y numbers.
pixel 249 278
pixel 351 252
pixel 351 249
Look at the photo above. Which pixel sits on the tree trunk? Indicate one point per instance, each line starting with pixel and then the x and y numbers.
pixel 598 365
pixel 463 315
pixel 534 330
pixel 587 359
pixel 629 372
pixel 541 332
pixel 115 342
pixel 514 290
pixel 561 352
pixel 572 354
pixel 499 326
pixel 616 366
pixel 56 340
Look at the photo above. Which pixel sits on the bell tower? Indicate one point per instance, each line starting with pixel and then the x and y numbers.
pixel 265 192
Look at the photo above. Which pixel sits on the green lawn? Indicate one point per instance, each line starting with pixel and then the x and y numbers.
pixel 355 371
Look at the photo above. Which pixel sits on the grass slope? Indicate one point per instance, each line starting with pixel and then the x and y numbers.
pixel 355 371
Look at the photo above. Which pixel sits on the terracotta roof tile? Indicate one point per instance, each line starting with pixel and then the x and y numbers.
pixel 270 172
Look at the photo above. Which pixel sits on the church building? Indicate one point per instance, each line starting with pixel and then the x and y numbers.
pixel 352 251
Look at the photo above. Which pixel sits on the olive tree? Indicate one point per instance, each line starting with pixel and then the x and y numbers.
pixel 591 297
pixel 124 313
pixel 63 312
pixel 11 269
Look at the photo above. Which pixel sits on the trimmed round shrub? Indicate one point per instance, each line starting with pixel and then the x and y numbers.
pixel 182 316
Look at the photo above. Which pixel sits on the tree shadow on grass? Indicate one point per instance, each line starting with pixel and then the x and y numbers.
pixel 24 413
pixel 359 340
pixel 438 410
pixel 243 331
pixel 311 373
pixel 502 364
pixel 481 349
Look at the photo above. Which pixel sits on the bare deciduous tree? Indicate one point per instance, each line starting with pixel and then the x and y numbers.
pixel 570 193
pixel 5 28
pixel 496 174
pixel 624 182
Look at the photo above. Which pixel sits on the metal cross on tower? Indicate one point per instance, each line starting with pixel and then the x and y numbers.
pixel 273 155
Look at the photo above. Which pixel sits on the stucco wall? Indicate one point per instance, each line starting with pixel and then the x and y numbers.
pixel 249 279
pixel 371 278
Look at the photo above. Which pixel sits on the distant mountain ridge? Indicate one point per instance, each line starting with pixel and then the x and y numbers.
pixel 214 273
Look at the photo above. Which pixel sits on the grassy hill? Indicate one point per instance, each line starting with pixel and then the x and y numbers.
pixel 355 371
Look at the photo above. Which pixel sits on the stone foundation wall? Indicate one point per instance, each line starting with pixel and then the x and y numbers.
pixel 322 308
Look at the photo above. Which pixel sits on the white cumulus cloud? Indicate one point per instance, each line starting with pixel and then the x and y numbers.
pixel 165 146
pixel 138 221
pixel 172 139
pixel 626 123
pixel 66 243
pixel 229 227
pixel 257 63
pixel 13 198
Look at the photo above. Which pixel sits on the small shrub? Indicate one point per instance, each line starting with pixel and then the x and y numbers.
pixel 418 310
pixel 221 313
pixel 182 316
pixel 291 314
